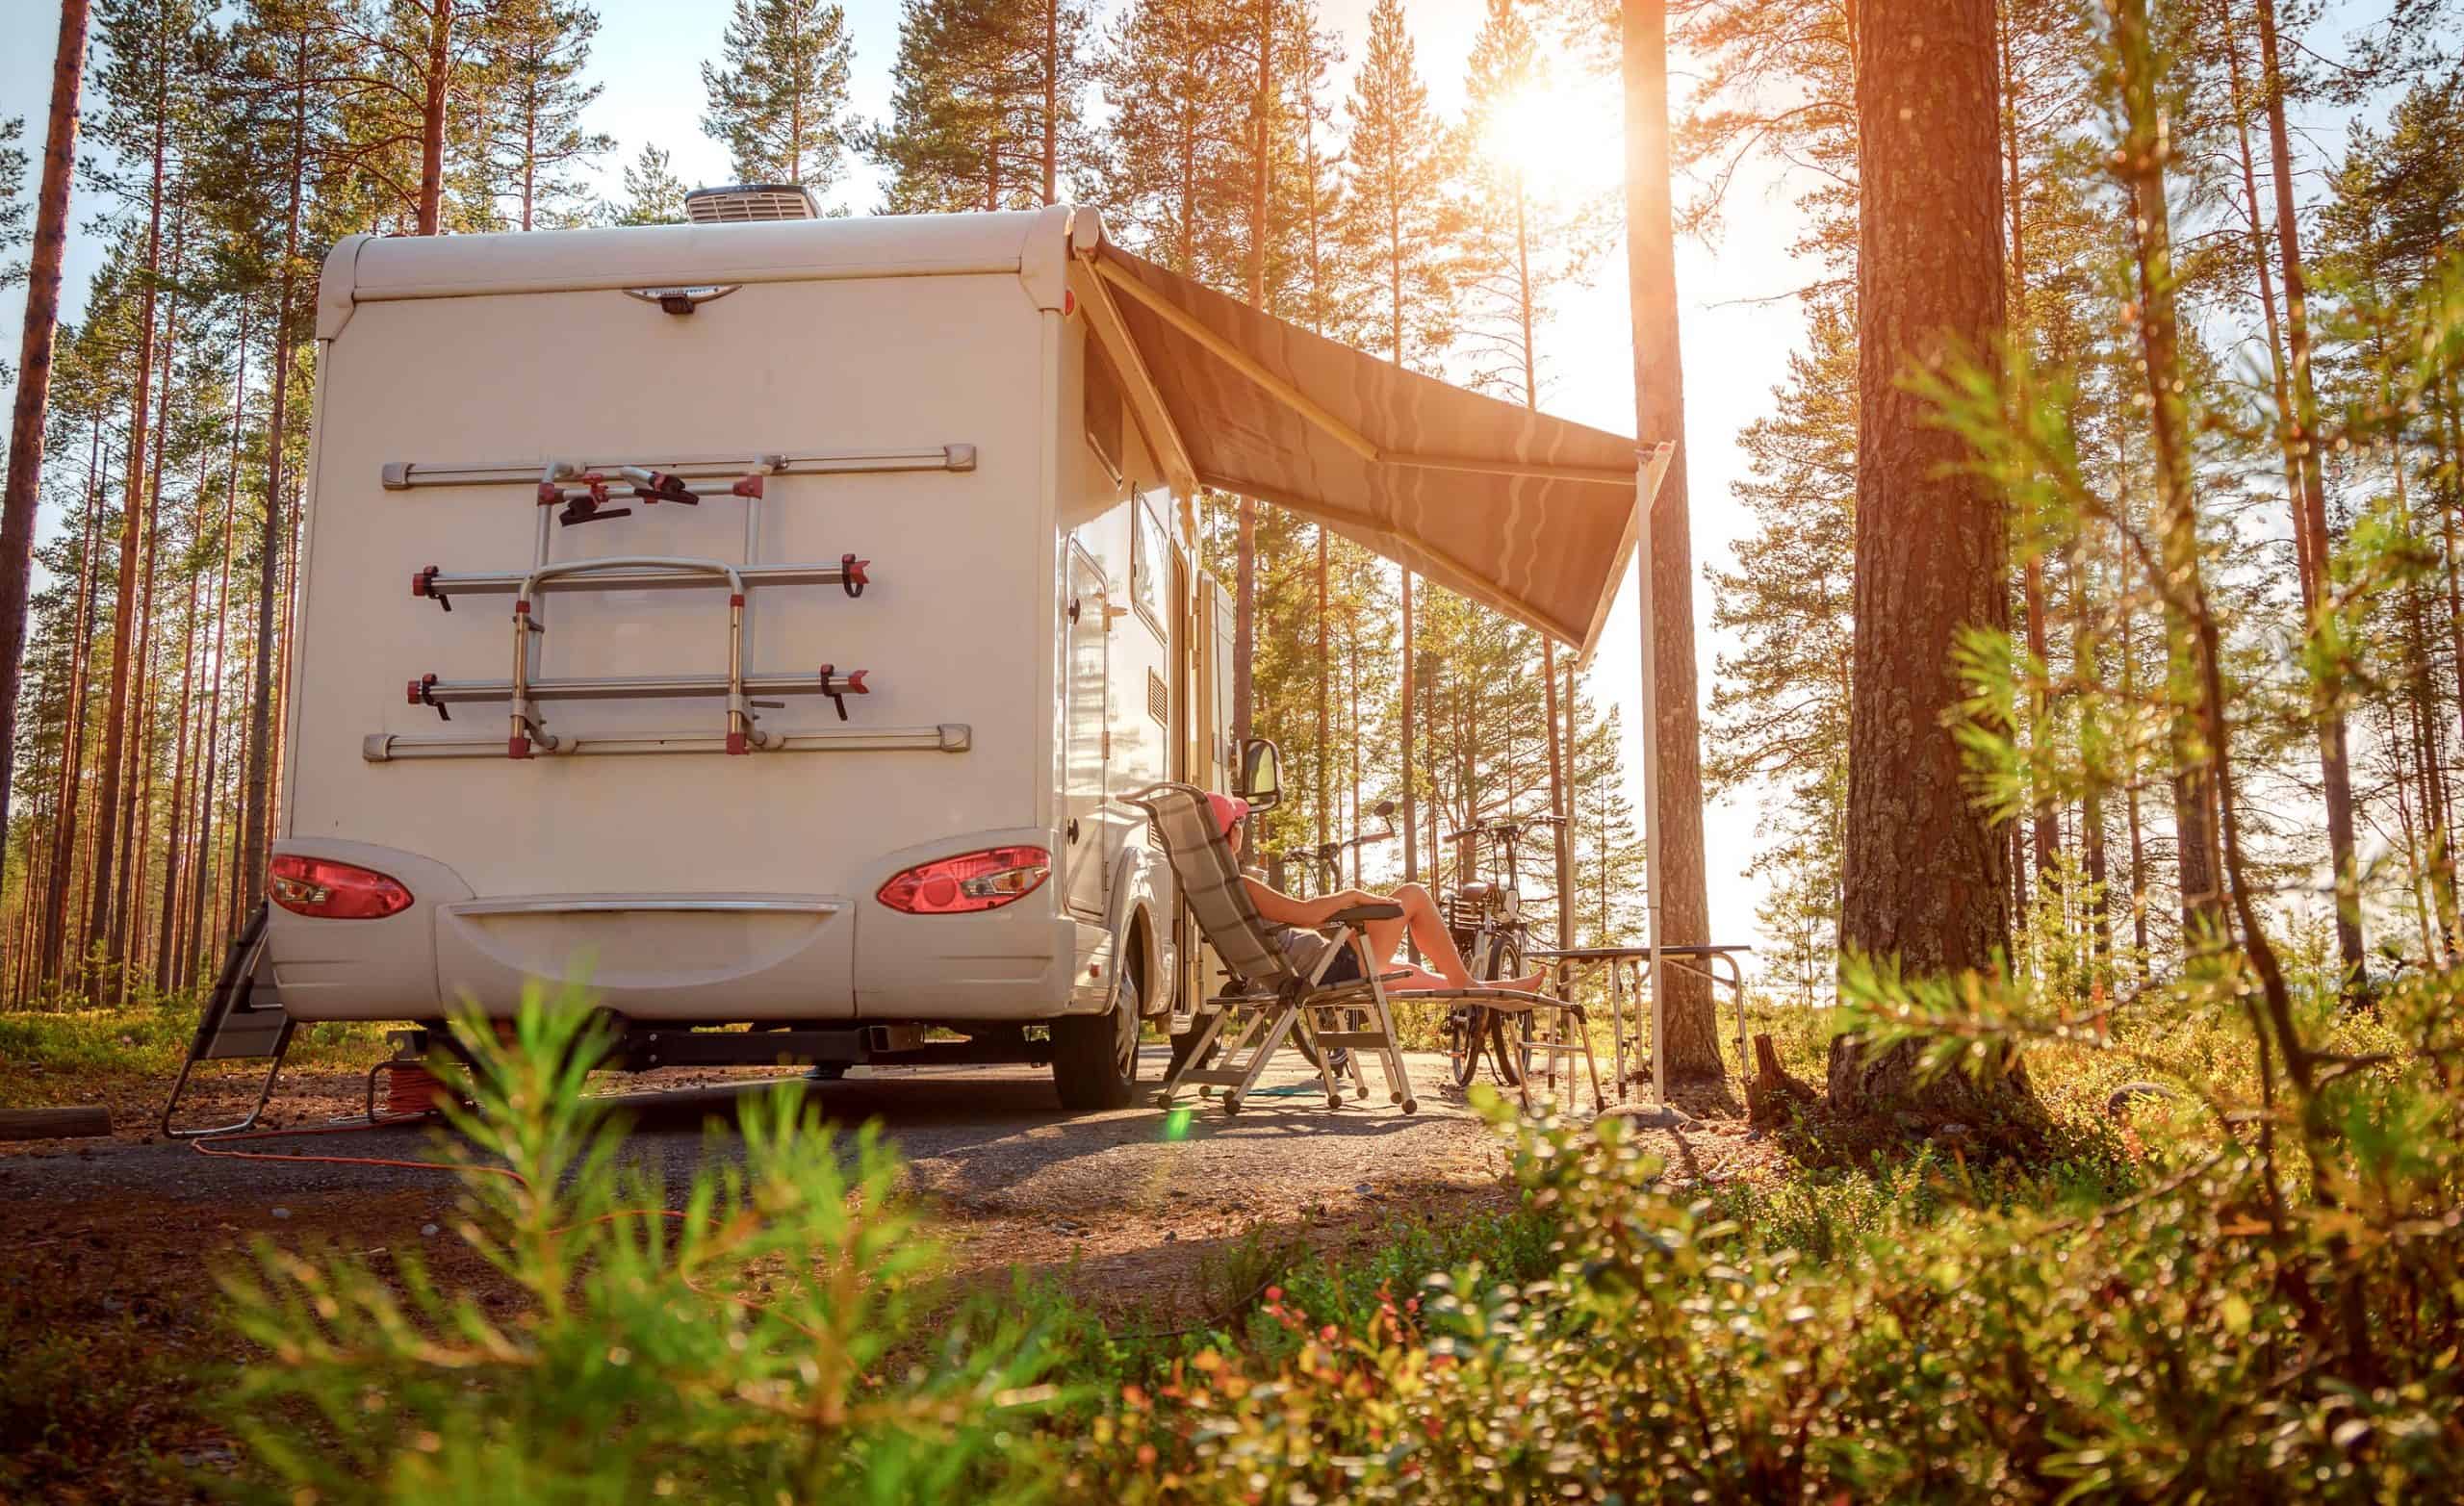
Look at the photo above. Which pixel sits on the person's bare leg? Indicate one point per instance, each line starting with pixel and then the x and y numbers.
pixel 1437 944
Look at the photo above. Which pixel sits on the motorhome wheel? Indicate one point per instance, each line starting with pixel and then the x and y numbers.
pixel 1094 1057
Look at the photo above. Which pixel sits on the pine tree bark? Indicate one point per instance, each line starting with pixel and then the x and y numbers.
pixel 72 736
pixel 166 936
pixel 436 84
pixel 1684 905
pixel 117 713
pixel 209 782
pixel 1924 869
pixel 2334 764
pixel 23 488
pixel 135 817
pixel 255 815
pixel 1320 755
pixel 2043 829
pixel 1051 101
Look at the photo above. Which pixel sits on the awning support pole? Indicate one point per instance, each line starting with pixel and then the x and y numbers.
pixel 1646 481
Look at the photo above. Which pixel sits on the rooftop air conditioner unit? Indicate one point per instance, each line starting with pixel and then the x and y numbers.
pixel 749 202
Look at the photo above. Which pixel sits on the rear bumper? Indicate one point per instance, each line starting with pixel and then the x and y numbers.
pixel 705 957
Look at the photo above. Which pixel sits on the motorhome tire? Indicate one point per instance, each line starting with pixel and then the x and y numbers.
pixel 1094 1057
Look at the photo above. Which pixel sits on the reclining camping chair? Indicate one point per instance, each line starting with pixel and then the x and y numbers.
pixel 1278 993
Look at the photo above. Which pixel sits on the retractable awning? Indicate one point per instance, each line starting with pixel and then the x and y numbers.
pixel 1528 513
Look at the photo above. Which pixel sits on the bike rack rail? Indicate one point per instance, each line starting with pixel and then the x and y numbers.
pixel 573 490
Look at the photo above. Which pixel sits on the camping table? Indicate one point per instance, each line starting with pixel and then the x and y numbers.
pixel 1625 967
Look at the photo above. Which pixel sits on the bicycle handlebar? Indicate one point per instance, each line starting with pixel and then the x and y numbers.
pixel 1497 825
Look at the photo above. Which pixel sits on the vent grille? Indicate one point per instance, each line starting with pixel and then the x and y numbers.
pixel 748 203
pixel 1159 698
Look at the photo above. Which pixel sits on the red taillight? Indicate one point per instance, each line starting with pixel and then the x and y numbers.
pixel 975 882
pixel 330 890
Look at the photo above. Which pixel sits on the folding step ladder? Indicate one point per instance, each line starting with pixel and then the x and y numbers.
pixel 245 1021
pixel 573 492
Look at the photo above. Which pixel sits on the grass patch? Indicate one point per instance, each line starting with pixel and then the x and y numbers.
pixel 72 1056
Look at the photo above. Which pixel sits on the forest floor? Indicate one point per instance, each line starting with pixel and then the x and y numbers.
pixel 108 1297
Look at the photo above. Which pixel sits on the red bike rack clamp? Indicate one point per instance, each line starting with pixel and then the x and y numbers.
pixel 838 687
pixel 423 693
pixel 423 587
pixel 851 575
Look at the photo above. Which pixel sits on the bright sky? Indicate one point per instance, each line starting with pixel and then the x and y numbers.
pixel 1737 335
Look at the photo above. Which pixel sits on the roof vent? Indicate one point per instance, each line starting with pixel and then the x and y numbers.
pixel 747 203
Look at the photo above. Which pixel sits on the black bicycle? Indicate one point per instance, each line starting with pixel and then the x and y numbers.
pixel 1485 916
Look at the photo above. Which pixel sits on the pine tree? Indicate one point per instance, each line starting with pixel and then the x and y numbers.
pixel 1780 711
pixel 1171 154
pixel 653 194
pixel 17 216
pixel 25 444
pixel 1924 869
pixel 1392 227
pixel 780 102
pixel 531 53
pixel 987 109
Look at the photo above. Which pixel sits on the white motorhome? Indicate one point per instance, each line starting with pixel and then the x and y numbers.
pixel 762 619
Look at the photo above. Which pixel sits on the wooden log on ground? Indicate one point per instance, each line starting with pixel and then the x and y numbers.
pixel 81 1121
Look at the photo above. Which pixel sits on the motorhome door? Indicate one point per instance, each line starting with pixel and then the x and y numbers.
pixel 1086 745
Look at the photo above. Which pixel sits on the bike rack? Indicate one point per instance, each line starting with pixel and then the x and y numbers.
pixel 570 492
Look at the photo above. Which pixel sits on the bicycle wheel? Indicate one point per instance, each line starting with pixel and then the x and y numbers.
pixel 1463 1024
pixel 1506 1058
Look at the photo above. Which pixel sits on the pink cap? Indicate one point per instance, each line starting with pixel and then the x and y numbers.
pixel 1228 811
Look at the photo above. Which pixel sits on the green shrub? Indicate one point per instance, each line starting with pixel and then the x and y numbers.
pixel 761 1344
pixel 2169 1346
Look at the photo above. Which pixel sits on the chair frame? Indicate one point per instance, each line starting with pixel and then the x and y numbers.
pixel 1280 998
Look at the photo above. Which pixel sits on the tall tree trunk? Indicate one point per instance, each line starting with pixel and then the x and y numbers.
pixel 1245 608
pixel 2305 567
pixel 128 909
pixel 1326 670
pixel 436 82
pixel 1924 869
pixel 118 714
pixel 255 815
pixel 208 784
pixel 1682 908
pixel 2141 962
pixel 2332 760
pixel 1052 101
pixel 72 735
pixel 2044 834
pixel 24 485
pixel 2087 667
pixel 166 942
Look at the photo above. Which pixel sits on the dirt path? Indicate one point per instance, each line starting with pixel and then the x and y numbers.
pixel 1124 1200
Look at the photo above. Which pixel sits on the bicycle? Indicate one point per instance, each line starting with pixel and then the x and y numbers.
pixel 1325 859
pixel 1486 919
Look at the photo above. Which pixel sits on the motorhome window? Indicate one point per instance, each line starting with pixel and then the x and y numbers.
pixel 1151 565
pixel 1104 411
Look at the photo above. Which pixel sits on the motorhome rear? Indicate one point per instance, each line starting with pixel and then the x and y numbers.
pixel 953 505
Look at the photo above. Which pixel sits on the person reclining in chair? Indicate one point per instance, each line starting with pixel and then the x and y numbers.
pixel 1420 919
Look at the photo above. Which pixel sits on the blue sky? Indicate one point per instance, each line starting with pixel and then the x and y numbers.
pixel 647 55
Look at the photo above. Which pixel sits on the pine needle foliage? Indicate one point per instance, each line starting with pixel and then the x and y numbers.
pixel 763 1337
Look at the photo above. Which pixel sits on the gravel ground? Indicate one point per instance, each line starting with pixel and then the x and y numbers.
pixel 1122 1204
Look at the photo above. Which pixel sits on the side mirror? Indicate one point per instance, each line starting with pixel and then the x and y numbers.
pixel 1262 774
pixel 1385 809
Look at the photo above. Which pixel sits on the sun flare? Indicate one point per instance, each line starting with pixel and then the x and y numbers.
pixel 1562 141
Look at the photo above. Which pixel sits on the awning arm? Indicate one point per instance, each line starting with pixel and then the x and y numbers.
pixel 1155 423
pixel 1308 408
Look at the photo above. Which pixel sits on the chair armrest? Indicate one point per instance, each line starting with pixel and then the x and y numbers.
pixel 1354 915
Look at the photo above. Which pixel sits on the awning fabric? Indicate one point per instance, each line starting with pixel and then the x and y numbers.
pixel 1528 513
